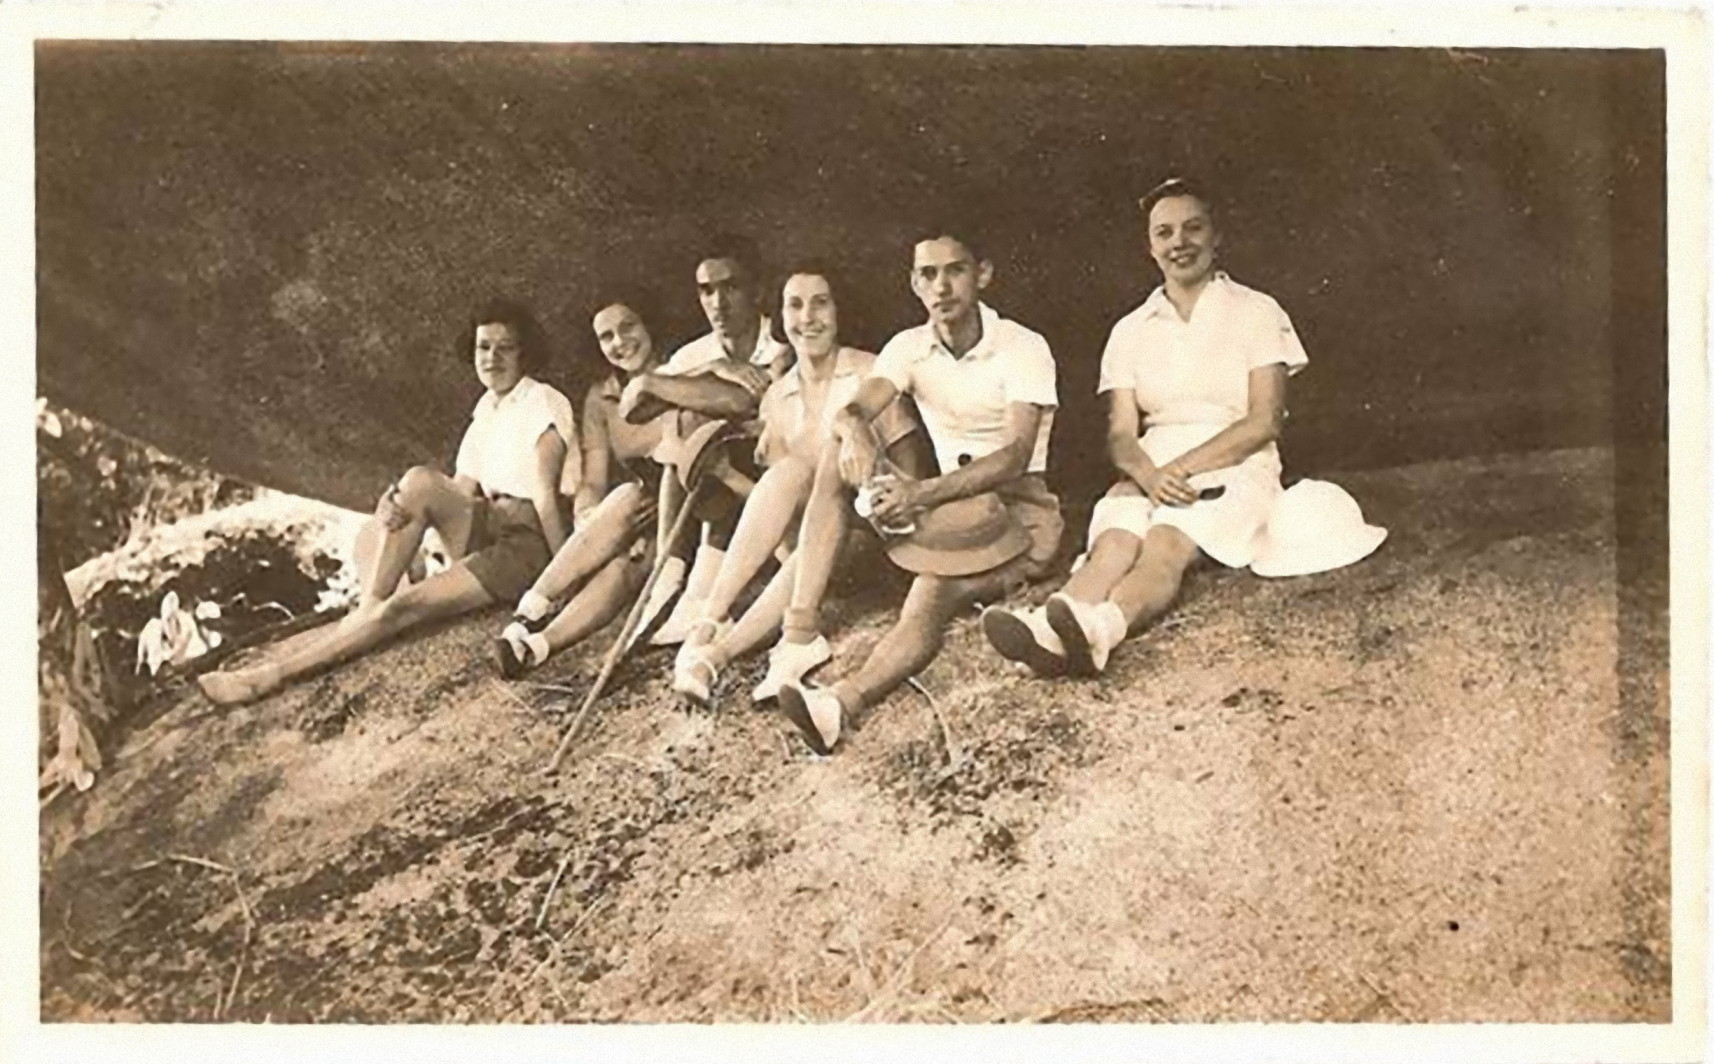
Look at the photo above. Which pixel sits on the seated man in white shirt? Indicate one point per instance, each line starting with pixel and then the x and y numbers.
pixel 985 389
pixel 721 374
pixel 501 515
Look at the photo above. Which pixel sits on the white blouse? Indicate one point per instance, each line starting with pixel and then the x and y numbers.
pixel 499 448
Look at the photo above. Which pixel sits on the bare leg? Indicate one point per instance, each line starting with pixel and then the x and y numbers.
pixel 823 529
pixel 916 638
pixel 759 623
pixel 608 532
pixel 429 497
pixel 1149 588
pixel 445 594
pixel 604 597
pixel 768 516
pixel 1110 559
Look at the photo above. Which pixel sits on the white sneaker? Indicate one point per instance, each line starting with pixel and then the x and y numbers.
pixel 1025 636
pixel 816 712
pixel 790 663
pixel 1082 628
pixel 694 677
pixel 702 633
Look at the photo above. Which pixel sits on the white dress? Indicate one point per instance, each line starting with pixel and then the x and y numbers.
pixel 1191 380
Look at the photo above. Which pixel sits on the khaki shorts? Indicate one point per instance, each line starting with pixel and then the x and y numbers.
pixel 507 550
pixel 1037 509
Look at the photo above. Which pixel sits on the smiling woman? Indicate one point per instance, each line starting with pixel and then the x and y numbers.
pixel 501 515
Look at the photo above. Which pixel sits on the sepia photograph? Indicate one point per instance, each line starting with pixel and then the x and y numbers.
pixel 661 523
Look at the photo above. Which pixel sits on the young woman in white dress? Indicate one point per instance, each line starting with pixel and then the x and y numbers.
pixel 1201 368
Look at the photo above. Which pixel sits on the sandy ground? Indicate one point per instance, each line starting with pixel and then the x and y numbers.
pixel 1431 787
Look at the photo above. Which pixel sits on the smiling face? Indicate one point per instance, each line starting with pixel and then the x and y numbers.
pixel 498 357
pixel 948 279
pixel 624 339
pixel 810 316
pixel 1182 240
pixel 728 295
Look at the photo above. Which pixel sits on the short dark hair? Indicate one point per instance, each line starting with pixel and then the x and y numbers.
pixel 810 267
pixel 638 300
pixel 734 247
pixel 641 304
pixel 498 310
pixel 956 229
pixel 1173 187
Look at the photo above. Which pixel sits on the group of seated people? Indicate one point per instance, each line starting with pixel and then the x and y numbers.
pixel 938 444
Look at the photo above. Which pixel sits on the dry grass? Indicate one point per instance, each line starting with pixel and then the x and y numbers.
pixel 1414 790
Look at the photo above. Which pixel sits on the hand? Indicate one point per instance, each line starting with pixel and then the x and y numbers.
pixel 388 511
pixel 857 454
pixel 892 501
pixel 1170 486
pixel 634 395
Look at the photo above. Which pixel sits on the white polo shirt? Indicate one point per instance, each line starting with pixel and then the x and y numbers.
pixel 963 400
pixel 499 447
pixel 1197 372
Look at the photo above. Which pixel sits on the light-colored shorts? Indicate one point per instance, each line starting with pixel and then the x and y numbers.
pixel 1037 509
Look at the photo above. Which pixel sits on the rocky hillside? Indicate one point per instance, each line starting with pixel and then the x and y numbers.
pixel 1432 786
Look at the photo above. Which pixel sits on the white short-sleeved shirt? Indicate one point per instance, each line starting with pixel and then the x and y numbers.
pixel 1197 372
pixel 499 447
pixel 786 425
pixel 963 400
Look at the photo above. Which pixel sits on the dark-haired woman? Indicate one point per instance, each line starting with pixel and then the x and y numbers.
pixel 601 566
pixel 1201 368
pixel 500 515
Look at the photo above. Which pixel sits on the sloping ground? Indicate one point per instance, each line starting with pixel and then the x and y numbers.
pixel 1416 789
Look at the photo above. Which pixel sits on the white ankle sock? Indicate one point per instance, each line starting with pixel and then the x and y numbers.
pixel 533 606
pixel 537 643
pixel 1110 621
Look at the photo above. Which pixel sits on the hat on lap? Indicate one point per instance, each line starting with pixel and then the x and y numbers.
pixel 718 449
pixel 960 538
pixel 1315 526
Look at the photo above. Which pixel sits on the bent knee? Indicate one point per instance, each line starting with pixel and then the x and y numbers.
pixel 791 472
pixel 418 486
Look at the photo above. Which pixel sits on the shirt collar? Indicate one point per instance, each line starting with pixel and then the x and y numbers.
pixel 844 365
pixel 491 402
pixel 984 347
pixel 1158 304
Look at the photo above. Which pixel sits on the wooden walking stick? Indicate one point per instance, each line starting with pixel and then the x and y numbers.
pixel 617 652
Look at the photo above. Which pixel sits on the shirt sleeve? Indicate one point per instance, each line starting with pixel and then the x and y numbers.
pixel 468 462
pixel 896 421
pixel 1030 373
pixel 895 361
pixel 1117 364
pixel 565 422
pixel 1275 340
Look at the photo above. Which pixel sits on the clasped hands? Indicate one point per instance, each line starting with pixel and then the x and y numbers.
pixel 1169 486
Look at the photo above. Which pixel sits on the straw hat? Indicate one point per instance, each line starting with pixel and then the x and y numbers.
pixel 959 538
pixel 699 454
pixel 1314 526
pixel 703 446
